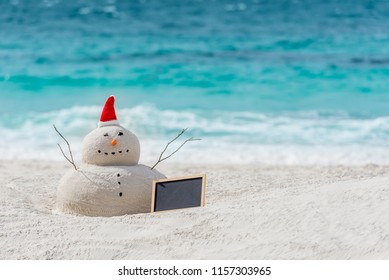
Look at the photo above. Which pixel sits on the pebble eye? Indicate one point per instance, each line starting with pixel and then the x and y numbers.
pixel 120 133
pixel 106 134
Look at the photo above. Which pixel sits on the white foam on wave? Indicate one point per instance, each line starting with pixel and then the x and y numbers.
pixel 227 137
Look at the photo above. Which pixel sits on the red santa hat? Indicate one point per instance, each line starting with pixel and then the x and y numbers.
pixel 108 115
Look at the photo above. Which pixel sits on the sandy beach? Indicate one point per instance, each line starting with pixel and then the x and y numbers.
pixel 251 212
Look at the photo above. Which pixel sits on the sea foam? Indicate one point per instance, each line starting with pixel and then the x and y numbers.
pixel 226 137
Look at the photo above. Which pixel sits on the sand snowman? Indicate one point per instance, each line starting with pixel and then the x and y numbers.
pixel 109 182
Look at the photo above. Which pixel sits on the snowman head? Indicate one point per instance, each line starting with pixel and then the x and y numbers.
pixel 110 143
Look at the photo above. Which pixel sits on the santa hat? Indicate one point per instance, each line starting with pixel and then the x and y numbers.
pixel 108 115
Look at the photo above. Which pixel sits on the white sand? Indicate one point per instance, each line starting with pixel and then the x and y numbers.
pixel 251 212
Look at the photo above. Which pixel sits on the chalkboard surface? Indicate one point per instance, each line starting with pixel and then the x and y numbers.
pixel 176 193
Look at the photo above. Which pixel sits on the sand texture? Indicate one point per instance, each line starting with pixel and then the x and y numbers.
pixel 251 212
pixel 108 191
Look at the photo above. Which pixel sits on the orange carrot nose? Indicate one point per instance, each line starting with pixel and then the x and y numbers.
pixel 114 142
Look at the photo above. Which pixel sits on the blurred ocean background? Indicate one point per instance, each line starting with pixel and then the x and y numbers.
pixel 260 81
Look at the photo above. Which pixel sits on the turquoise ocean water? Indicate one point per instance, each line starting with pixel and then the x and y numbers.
pixel 277 82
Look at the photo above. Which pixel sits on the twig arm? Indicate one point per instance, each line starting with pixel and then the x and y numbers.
pixel 70 151
pixel 188 140
pixel 71 160
pixel 161 158
pixel 167 145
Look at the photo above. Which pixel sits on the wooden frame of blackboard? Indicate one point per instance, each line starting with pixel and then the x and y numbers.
pixel 155 182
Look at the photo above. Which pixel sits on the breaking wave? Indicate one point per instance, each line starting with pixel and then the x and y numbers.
pixel 227 137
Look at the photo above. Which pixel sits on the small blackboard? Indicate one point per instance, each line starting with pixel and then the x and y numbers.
pixel 177 193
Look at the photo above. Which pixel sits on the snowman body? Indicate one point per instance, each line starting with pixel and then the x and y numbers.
pixel 109 182
pixel 94 190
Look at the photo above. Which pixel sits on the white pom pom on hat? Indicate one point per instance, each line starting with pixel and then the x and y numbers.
pixel 108 115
